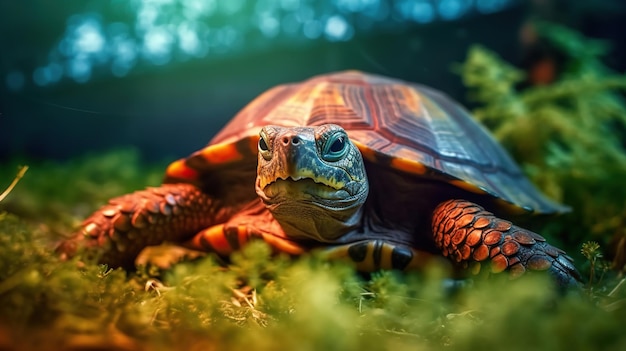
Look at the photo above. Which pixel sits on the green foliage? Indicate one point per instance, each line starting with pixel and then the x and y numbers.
pixel 59 194
pixel 591 251
pixel 38 291
pixel 568 135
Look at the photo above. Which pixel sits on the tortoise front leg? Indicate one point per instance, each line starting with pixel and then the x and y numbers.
pixel 118 231
pixel 224 239
pixel 466 233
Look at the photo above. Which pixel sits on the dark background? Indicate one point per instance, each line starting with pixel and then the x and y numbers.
pixel 168 110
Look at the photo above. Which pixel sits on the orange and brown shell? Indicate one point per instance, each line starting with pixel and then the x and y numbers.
pixel 408 127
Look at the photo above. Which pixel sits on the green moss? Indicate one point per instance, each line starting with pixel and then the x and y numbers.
pixel 58 195
pixel 38 292
pixel 266 303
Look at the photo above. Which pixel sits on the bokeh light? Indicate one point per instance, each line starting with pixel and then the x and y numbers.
pixel 159 32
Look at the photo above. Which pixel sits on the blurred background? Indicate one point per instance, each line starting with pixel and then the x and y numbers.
pixel 164 75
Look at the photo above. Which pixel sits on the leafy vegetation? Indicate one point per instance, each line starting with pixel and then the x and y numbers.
pixel 568 135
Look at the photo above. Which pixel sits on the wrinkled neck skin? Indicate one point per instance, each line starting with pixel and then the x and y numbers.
pixel 320 220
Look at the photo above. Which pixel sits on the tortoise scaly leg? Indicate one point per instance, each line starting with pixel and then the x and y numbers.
pixel 224 239
pixel 118 231
pixel 466 233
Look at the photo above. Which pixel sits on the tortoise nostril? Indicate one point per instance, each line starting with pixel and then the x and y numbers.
pixel 295 140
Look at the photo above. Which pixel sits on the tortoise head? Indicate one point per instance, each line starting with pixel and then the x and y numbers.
pixel 312 180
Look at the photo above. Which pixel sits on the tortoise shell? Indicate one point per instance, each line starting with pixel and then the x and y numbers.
pixel 416 131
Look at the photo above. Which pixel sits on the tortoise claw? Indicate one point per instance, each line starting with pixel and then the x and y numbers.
pixel 564 272
pixel 542 256
pixel 466 233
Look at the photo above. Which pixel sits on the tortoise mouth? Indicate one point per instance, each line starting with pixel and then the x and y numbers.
pixel 303 189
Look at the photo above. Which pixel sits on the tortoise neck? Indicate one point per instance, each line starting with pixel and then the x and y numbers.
pixel 312 221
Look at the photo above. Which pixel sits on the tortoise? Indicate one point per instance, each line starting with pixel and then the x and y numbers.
pixel 385 173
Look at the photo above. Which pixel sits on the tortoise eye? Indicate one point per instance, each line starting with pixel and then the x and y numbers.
pixel 336 147
pixel 264 149
pixel 263 145
pixel 338 144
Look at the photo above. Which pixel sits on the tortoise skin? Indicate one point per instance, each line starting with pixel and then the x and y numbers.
pixel 428 164
pixel 469 235
pixel 117 232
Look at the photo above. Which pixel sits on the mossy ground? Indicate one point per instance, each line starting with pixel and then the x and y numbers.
pixel 267 303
